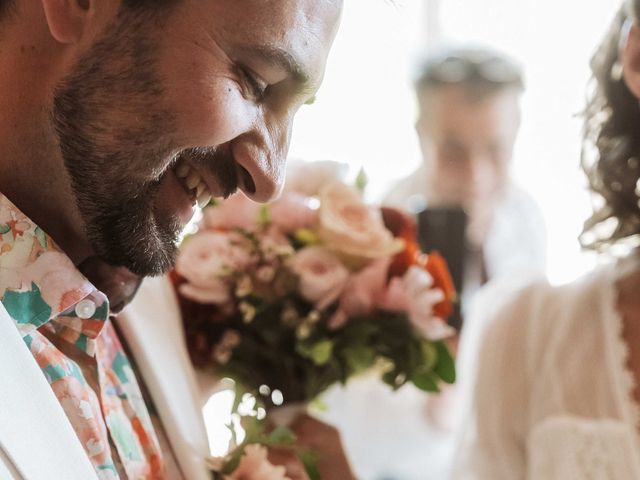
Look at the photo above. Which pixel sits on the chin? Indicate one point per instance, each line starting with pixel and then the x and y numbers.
pixel 145 248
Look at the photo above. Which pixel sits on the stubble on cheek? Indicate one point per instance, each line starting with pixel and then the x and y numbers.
pixel 115 140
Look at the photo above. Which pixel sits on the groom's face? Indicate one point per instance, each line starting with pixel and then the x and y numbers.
pixel 170 106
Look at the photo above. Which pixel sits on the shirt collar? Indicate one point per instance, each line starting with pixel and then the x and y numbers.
pixel 40 285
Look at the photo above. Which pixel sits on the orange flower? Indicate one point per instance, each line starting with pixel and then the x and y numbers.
pixel 436 265
pixel 402 226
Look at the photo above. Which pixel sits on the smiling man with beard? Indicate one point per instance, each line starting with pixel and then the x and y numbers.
pixel 117 118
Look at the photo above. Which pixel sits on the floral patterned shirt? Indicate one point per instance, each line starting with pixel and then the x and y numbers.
pixel 64 321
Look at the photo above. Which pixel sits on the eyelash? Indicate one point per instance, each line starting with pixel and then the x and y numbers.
pixel 257 88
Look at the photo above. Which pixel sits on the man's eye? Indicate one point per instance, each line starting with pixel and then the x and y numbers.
pixel 257 88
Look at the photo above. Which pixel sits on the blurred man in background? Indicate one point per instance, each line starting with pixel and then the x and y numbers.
pixel 469 116
pixel 468 121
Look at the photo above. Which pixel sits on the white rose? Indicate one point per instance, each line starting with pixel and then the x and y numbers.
pixel 422 298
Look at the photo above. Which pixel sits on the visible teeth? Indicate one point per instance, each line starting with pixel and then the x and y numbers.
pixel 204 199
pixel 183 170
pixel 200 188
pixel 193 180
pixel 193 184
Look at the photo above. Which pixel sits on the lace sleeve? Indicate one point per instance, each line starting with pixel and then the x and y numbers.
pixel 493 377
pixel 572 447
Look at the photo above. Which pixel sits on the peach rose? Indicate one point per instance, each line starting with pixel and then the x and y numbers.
pixel 351 228
pixel 254 465
pixel 206 261
pixel 321 275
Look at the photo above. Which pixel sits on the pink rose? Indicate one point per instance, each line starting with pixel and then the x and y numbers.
pixel 362 292
pixel 350 227
pixel 321 275
pixel 237 211
pixel 206 261
pixel 292 211
pixel 308 178
pixel 254 465
pixel 396 297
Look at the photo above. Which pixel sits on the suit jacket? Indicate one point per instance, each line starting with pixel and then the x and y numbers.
pixel 37 441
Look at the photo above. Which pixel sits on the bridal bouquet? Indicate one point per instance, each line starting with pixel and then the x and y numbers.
pixel 290 298
pixel 250 460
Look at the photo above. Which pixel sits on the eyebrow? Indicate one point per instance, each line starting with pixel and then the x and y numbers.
pixel 283 59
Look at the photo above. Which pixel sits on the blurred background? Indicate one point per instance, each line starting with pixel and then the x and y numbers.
pixel 366 110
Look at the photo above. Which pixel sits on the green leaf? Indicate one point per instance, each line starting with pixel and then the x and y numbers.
pixel 281 436
pixel 361 181
pixel 305 237
pixel 359 358
pixel 264 216
pixel 446 366
pixel 425 381
pixel 4 229
pixel 319 352
pixel 429 354
pixel 310 461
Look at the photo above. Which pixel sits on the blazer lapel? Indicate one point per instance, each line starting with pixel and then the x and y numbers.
pixel 35 434
pixel 152 327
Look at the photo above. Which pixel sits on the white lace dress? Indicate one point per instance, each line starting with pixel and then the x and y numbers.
pixel 549 394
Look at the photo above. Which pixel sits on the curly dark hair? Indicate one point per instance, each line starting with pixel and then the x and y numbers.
pixel 611 149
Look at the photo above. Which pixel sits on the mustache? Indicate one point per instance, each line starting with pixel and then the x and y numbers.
pixel 217 161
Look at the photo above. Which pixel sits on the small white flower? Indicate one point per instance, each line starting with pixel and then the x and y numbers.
pixel 248 312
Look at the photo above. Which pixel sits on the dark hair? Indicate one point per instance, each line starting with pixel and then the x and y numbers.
pixel 478 70
pixel 5 5
pixel 611 148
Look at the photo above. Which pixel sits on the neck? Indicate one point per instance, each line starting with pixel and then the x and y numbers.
pixel 32 173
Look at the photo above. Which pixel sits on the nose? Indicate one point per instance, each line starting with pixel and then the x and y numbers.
pixel 262 155
pixel 481 174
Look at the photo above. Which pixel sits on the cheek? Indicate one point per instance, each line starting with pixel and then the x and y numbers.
pixel 209 108
pixel 213 116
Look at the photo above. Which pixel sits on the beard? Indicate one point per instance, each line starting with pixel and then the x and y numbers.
pixel 116 142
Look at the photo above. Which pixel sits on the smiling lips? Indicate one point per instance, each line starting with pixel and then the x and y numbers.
pixel 193 183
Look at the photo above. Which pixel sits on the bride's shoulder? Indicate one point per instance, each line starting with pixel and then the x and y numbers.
pixel 532 310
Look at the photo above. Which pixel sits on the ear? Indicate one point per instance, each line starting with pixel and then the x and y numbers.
pixel 631 60
pixel 67 19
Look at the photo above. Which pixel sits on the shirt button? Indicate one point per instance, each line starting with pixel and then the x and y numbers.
pixel 85 309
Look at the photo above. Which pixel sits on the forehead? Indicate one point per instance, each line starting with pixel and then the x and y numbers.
pixel 303 28
pixel 456 109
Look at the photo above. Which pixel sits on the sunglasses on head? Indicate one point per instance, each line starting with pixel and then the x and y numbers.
pixel 456 69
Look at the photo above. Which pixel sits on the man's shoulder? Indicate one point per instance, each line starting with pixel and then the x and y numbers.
pixel 404 190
